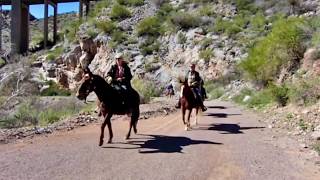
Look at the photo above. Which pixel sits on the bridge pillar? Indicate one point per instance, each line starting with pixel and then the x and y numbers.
pixel 80 9
pixel 19 26
pixel 45 24
pixel 1 26
pixel 55 13
pixel 87 7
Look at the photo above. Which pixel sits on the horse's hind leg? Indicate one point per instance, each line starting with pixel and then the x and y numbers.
pixel 136 119
pixel 106 122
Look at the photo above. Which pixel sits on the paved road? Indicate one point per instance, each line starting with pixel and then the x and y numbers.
pixel 227 144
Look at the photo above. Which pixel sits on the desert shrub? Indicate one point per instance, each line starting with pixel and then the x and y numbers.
pixel 206 11
pixel 119 12
pixel 92 33
pixel 206 54
pixel 182 38
pixel 149 46
pixel 136 2
pixel 246 5
pixel 241 95
pixel 55 90
pixel 315 25
pixel 147 89
pixel 316 147
pixel 258 21
pixel 149 26
pixel 71 30
pixel 206 42
pixel 164 11
pixel 118 37
pixel 283 45
pixel 106 26
pixel 185 20
pixel 53 54
pixel 98 7
pixel 33 113
pixel 305 92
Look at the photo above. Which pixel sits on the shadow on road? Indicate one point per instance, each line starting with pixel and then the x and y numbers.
pixel 216 107
pixel 220 115
pixel 162 144
pixel 227 128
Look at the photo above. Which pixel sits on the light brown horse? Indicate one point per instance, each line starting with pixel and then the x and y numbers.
pixel 111 102
pixel 188 103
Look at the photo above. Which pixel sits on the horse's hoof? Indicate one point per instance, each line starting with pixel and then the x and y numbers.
pixel 109 141
pixel 186 128
pixel 135 131
pixel 127 137
pixel 101 142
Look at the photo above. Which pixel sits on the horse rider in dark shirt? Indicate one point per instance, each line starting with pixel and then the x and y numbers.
pixel 120 75
pixel 194 81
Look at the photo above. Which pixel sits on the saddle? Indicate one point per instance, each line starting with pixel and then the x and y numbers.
pixel 124 94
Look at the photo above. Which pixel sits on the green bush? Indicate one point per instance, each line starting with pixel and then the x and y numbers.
pixel 206 54
pixel 280 94
pixel 106 26
pixel 283 45
pixel 131 2
pixel 2 62
pixel 25 116
pixel 149 26
pixel 216 93
pixel 55 90
pixel 119 12
pixel 146 89
pixel 258 99
pixel 185 20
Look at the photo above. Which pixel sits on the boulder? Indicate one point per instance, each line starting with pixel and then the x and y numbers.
pixel 62 78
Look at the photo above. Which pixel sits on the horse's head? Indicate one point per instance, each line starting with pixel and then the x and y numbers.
pixel 86 87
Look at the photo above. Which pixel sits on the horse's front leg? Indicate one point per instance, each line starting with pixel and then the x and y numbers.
pixel 196 118
pixel 188 119
pixel 133 123
pixel 107 121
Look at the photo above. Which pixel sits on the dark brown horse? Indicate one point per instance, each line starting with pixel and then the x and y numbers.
pixel 111 102
pixel 188 103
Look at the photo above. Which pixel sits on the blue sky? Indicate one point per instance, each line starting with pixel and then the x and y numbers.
pixel 38 10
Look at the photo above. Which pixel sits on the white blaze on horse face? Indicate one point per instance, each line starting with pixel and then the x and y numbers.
pixel 86 76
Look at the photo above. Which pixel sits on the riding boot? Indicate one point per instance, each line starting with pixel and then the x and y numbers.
pixel 203 107
pixel 178 105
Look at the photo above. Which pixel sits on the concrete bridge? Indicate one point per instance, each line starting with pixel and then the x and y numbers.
pixel 20 20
